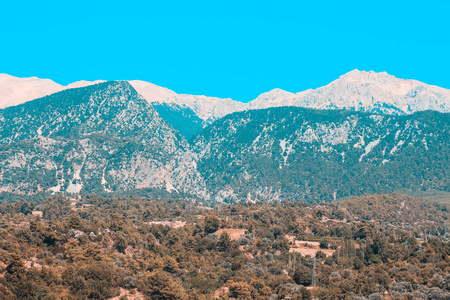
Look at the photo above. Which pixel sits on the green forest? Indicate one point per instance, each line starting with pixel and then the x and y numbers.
pixel 387 246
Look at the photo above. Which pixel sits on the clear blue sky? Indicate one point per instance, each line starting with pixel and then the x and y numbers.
pixel 227 48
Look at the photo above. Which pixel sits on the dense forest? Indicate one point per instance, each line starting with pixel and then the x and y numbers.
pixel 388 246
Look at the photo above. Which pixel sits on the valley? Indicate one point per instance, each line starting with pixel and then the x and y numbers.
pixel 387 246
pixel 126 190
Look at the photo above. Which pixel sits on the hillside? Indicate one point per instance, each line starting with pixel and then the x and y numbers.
pixel 181 118
pixel 313 155
pixel 103 137
pixel 399 210
pixel 140 248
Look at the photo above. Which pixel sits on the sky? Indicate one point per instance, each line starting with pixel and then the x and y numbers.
pixel 228 49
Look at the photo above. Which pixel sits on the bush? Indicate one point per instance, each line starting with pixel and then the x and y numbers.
pixel 303 275
pixel 324 244
pixel 158 285
pixel 129 282
pixel 375 296
pixel 211 224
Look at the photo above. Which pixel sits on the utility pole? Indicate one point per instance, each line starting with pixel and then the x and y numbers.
pixel 295 258
pixel 362 251
pixel 290 262
pixel 313 281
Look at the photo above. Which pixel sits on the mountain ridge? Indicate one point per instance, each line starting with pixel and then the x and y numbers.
pixel 15 90
pixel 355 90
pixel 371 92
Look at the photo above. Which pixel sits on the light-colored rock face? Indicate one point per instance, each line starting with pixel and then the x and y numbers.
pixel 15 91
pixel 82 83
pixel 206 108
pixel 152 92
pixel 356 90
pixel 273 98
pixel 365 91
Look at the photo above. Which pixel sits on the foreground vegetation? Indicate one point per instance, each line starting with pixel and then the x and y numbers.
pixel 371 247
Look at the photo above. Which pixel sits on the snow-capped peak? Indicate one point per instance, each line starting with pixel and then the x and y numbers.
pixel 15 90
pixel 275 97
pixel 367 91
pixel 206 108
pixel 275 93
pixel 83 83
pixel 383 80
pixel 153 93
pixel 357 90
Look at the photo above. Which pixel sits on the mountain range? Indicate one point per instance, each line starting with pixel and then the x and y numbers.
pixel 363 133
pixel 355 90
pixel 364 91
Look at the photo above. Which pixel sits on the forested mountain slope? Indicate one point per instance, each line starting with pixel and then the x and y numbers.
pixel 311 155
pixel 106 138
pixel 103 137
